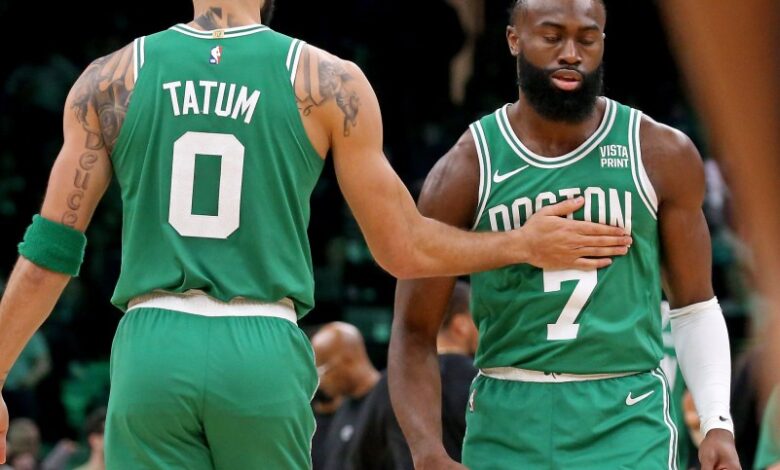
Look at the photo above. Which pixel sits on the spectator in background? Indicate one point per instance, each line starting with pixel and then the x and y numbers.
pixel 345 371
pixel 33 365
pixel 380 443
pixel 94 427
pixel 24 444
pixel 24 448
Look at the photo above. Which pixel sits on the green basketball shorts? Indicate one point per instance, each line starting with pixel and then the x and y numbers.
pixel 197 392
pixel 620 423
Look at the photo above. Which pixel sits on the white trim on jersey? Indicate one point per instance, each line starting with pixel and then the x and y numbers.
pixel 540 161
pixel 142 48
pixel 643 179
pixel 136 56
pixel 633 141
pixel 293 44
pixel 231 30
pixel 219 33
pixel 668 419
pixel 295 62
pixel 484 159
pixel 480 158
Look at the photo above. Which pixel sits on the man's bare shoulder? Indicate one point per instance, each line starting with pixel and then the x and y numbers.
pixel 672 160
pixel 451 189
pixel 323 79
pixel 459 164
pixel 101 95
pixel 659 140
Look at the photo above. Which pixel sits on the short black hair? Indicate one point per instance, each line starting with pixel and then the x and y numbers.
pixel 519 6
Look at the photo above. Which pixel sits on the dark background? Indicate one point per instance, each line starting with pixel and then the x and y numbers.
pixel 404 47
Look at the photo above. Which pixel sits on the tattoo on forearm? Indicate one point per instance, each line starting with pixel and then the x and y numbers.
pixel 326 79
pixel 104 89
pixel 212 19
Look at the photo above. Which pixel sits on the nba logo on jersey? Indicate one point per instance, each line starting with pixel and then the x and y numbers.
pixel 216 55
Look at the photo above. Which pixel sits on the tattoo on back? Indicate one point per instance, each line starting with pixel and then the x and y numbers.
pixel 326 79
pixel 104 88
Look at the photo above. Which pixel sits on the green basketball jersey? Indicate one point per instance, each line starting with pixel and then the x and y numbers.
pixel 585 322
pixel 216 169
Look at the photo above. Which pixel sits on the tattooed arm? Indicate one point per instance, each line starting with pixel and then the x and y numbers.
pixel 94 112
pixel 336 95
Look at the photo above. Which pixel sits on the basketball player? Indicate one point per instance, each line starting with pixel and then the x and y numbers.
pixel 569 359
pixel 216 131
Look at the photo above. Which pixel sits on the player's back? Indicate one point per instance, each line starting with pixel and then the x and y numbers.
pixel 216 169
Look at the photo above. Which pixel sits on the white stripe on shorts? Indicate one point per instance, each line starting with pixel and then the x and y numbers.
pixel 668 420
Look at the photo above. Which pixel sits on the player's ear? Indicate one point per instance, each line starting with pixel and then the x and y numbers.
pixel 513 40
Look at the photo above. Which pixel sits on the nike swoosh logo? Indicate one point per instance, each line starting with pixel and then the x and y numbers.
pixel 497 178
pixel 631 401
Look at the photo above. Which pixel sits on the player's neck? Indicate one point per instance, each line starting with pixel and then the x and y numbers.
pixel 219 14
pixel 558 137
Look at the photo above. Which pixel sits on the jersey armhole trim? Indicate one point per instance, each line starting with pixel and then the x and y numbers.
pixel 138 56
pixel 643 178
pixel 641 181
pixel 290 52
pixel 293 56
pixel 291 66
pixel 483 154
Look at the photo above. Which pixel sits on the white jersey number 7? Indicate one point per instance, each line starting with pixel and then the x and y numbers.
pixel 565 328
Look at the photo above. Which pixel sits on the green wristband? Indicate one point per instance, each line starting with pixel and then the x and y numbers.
pixel 53 246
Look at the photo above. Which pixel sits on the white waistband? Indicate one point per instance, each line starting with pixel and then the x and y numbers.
pixel 524 375
pixel 198 303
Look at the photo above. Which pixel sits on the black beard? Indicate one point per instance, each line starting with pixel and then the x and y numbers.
pixel 553 103
pixel 267 12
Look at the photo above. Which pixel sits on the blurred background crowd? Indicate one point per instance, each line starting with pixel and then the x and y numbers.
pixel 436 65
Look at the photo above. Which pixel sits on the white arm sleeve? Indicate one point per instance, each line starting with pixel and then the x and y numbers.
pixel 702 344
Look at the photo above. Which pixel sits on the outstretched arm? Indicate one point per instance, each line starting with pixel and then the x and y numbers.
pixel 698 328
pixel 94 111
pixel 402 241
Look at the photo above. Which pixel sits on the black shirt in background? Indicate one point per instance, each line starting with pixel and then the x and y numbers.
pixel 343 429
pixel 457 373
pixel 319 450
pixel 379 444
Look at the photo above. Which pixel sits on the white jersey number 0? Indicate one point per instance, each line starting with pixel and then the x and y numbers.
pixel 180 215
